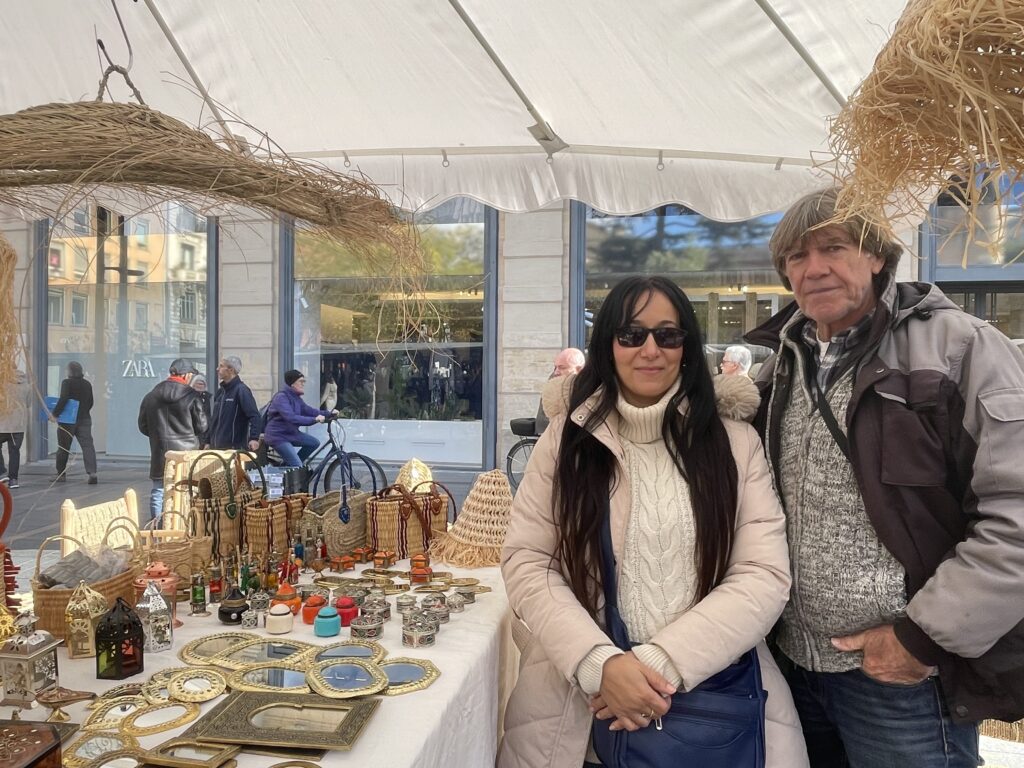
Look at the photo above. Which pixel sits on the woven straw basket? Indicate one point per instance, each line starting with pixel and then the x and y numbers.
pixel 476 537
pixel 50 605
pixel 341 538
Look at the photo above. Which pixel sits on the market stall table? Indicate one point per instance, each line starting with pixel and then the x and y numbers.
pixel 452 723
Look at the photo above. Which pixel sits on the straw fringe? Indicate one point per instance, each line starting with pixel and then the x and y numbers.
pixel 941 111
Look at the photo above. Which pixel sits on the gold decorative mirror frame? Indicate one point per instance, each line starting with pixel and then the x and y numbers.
pixel 119 742
pixel 431 673
pixel 117 692
pixel 237 682
pixel 377 651
pixel 220 754
pixel 156 691
pixel 318 683
pixel 188 652
pixel 177 687
pixel 138 755
pixel 98 720
pixel 191 713
pixel 223 660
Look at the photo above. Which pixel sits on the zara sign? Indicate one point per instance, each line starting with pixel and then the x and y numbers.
pixel 137 369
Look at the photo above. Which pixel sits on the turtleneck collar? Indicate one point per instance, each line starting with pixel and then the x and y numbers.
pixel 643 425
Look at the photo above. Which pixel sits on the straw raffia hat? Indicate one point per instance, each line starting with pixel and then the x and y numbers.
pixel 412 473
pixel 476 537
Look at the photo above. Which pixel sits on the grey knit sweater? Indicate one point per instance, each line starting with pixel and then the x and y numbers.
pixel 844 580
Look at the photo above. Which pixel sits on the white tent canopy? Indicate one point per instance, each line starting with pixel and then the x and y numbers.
pixel 436 98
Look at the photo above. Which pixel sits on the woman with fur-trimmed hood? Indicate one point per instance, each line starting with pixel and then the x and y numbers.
pixel 643 436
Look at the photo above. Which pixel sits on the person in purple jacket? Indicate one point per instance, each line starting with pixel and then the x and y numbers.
pixel 286 413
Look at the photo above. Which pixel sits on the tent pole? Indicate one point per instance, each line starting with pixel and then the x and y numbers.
pixel 794 41
pixel 542 131
pixel 218 116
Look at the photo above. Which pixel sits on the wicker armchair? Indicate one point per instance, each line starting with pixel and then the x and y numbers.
pixel 88 524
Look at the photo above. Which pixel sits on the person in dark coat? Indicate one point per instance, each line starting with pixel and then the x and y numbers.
pixel 75 387
pixel 236 418
pixel 288 412
pixel 173 419
pixel 200 385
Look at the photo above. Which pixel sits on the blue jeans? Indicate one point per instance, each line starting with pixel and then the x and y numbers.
pixel 852 721
pixel 156 500
pixel 296 458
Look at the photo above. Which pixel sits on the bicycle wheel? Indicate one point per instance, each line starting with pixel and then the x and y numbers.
pixel 518 456
pixel 367 474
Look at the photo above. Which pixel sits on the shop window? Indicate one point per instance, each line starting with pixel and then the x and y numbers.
pixel 55 307
pixel 141 316
pixel 80 222
pixel 405 388
pixel 55 261
pixel 188 307
pixel 723 267
pixel 79 310
pixel 81 260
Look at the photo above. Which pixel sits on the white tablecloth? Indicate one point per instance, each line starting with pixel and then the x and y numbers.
pixel 453 723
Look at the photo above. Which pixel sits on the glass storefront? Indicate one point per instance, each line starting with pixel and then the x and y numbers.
pixel 724 267
pixel 125 297
pixel 401 387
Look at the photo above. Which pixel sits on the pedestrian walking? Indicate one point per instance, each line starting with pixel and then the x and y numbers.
pixel 75 387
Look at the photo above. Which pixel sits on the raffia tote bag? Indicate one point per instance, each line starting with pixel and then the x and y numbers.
pixel 405 521
pixel 220 517
pixel 342 514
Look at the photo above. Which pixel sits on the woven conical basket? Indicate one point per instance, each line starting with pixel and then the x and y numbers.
pixel 476 537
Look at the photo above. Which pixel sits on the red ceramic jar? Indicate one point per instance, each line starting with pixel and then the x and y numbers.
pixel 347 609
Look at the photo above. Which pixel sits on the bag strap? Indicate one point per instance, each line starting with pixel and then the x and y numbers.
pixel 434 485
pixel 614 625
pixel 227 473
pixel 821 403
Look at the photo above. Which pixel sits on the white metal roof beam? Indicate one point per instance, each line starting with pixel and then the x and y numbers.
pixel 809 60
pixel 542 131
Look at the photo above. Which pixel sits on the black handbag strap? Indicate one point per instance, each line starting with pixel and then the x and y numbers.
pixel 613 623
pixel 821 403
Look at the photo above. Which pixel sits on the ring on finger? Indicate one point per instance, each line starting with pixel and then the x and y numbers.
pixel 647 715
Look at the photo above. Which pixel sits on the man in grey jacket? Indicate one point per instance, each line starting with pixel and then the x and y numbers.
pixel 892 422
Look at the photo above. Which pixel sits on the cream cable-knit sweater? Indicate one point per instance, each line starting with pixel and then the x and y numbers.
pixel 658 575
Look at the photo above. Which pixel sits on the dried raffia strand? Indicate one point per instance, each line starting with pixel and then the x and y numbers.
pixel 942 110
pixel 9 331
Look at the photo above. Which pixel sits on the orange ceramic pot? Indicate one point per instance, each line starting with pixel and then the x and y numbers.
pixel 312 607
pixel 286 595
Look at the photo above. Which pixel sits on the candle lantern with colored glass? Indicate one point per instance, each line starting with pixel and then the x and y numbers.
pixel 197 596
pixel 81 616
pixel 120 643
pixel 28 663
pixel 167 582
pixel 216 584
pixel 232 607
pixel 155 615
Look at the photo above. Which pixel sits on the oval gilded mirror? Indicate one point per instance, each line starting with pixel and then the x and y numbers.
pixel 196 685
pixel 202 650
pixel 118 691
pixel 122 758
pixel 93 746
pixel 160 717
pixel 406 675
pixel 346 678
pixel 108 713
pixel 276 676
pixel 155 692
pixel 358 649
pixel 261 650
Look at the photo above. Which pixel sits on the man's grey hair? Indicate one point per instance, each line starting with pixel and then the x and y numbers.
pixel 233 362
pixel 739 355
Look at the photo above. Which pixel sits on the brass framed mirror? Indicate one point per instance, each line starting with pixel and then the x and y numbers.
pixel 108 714
pixel 165 675
pixel 156 692
pixel 298 721
pixel 406 675
pixel 125 689
pixel 279 676
pixel 346 678
pixel 91 747
pixel 122 758
pixel 261 650
pixel 157 718
pixel 202 650
pixel 351 649
pixel 196 685
pixel 186 753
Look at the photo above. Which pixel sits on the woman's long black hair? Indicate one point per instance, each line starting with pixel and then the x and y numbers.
pixel 586 469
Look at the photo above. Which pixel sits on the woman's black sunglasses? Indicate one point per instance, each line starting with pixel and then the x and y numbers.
pixel 635 336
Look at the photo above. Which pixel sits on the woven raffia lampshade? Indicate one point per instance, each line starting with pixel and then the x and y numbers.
pixel 476 537
pixel 414 472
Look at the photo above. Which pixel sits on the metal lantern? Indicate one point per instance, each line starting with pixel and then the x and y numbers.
pixel 28 663
pixel 81 616
pixel 120 643
pixel 197 596
pixel 156 617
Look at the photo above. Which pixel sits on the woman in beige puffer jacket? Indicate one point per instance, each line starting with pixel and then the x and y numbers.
pixel 568 662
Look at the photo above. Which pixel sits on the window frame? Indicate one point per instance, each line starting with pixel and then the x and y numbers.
pixel 52 293
pixel 84 298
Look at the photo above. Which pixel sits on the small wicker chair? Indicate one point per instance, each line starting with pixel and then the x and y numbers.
pixel 88 524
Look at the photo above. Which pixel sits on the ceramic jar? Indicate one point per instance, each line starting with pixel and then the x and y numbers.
pixel 347 609
pixel 312 607
pixel 280 619
pixel 286 595
pixel 327 622
pixel 232 607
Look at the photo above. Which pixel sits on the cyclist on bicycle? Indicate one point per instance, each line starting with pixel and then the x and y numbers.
pixel 286 413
